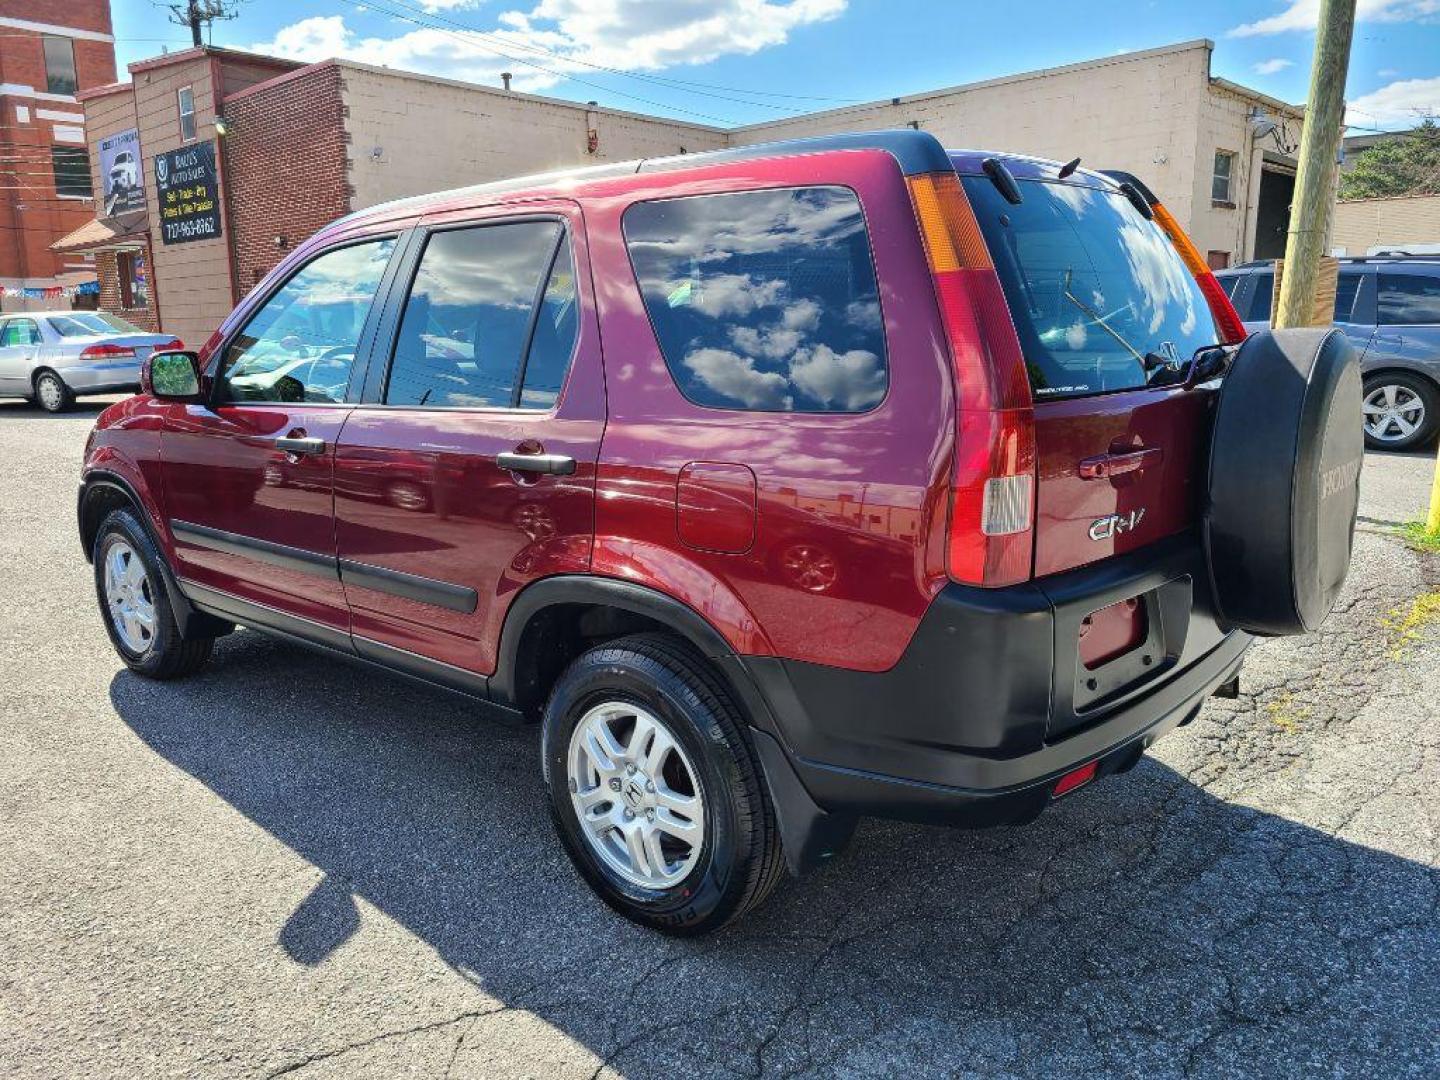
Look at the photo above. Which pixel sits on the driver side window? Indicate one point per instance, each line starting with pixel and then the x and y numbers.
pixel 300 345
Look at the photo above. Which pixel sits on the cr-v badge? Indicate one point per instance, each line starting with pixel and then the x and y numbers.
pixel 1107 527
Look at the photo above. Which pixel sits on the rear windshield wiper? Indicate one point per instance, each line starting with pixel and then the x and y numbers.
pixel 1141 358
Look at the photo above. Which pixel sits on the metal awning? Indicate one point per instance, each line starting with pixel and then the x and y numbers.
pixel 123 230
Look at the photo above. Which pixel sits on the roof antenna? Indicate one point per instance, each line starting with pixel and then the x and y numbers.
pixel 1069 167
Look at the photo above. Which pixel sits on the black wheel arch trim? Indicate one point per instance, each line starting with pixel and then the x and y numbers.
pixel 189 620
pixel 810 834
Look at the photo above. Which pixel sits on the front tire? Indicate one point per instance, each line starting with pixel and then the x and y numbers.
pixel 51 393
pixel 135 603
pixel 1402 411
pixel 654 788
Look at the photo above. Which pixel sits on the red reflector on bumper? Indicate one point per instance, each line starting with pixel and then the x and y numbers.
pixel 1071 780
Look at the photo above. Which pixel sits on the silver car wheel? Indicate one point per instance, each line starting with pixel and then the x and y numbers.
pixel 51 392
pixel 1393 413
pixel 636 794
pixel 129 598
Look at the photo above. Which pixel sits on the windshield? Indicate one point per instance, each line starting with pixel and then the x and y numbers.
pixel 1099 296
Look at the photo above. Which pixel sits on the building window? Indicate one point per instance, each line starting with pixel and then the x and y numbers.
pixel 130 267
pixel 59 65
pixel 1220 181
pixel 72 172
pixel 1217 260
pixel 187 113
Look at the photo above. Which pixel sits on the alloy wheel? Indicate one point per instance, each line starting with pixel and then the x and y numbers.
pixel 129 597
pixel 1393 413
pixel 636 794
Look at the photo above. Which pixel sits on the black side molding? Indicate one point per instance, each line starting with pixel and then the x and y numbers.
pixel 409 586
pixel 361 575
pixel 281 555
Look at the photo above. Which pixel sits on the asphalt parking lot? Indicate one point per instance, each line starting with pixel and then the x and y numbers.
pixel 289 866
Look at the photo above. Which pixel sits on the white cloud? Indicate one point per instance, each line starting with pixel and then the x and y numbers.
pixel 1400 104
pixel 1270 67
pixel 735 376
pixel 1304 14
pixel 630 35
pixel 852 380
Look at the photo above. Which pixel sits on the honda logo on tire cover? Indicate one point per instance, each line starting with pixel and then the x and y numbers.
pixel 1113 525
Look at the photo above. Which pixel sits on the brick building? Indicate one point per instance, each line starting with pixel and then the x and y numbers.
pixel 298 146
pixel 49 51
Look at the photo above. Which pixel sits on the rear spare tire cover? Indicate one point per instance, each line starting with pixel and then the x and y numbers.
pixel 1284 479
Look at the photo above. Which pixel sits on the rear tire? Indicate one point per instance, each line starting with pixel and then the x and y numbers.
pixel 644 690
pixel 135 602
pixel 51 393
pixel 1395 400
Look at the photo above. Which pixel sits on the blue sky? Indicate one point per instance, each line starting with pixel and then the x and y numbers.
pixel 761 59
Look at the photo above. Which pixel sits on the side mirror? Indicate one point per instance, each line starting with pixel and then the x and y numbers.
pixel 171 376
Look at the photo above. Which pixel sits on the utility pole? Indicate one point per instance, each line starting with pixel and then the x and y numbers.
pixel 1319 153
pixel 199 14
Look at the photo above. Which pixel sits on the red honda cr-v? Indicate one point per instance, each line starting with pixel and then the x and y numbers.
pixel 784 485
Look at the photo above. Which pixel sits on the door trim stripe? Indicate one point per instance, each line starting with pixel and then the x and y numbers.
pixel 284 556
pixel 423 590
pixel 361 575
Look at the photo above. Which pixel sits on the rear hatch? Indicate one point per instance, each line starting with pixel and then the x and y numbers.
pixel 1108 317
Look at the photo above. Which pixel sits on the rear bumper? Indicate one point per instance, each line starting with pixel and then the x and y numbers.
pixel 98 378
pixel 990 705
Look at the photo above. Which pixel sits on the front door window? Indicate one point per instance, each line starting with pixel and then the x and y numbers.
pixel 300 346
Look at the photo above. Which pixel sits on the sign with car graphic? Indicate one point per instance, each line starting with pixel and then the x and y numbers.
pixel 120 174
pixel 189 195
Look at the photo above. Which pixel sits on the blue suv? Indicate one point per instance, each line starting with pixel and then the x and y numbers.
pixel 1389 307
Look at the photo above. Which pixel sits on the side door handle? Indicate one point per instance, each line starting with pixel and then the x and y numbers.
pixel 1098 468
pixel 300 444
pixel 549 464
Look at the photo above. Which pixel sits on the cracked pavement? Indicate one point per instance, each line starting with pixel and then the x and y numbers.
pixel 288 866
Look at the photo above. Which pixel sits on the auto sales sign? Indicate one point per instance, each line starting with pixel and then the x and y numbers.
pixel 188 194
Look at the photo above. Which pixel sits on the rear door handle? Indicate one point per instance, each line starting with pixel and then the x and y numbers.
pixel 300 444
pixel 550 464
pixel 1105 465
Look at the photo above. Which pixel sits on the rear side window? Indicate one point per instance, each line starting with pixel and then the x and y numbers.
pixel 467 322
pixel 1093 287
pixel 763 300
pixel 1409 299
pixel 1262 298
pixel 1346 289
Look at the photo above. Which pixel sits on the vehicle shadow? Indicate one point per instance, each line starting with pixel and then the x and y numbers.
pixel 1143 926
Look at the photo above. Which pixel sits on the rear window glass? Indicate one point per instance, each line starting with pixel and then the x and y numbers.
pixel 763 300
pixel 1093 287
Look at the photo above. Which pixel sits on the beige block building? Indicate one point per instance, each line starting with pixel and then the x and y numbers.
pixel 1159 114
pixel 1405 222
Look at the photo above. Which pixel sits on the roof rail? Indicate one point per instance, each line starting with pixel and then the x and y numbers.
pixel 916 151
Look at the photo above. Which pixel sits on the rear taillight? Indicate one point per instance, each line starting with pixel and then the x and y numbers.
pixel 106 352
pixel 1232 330
pixel 173 345
pixel 992 512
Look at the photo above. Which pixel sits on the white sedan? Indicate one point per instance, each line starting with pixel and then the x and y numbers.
pixel 49 357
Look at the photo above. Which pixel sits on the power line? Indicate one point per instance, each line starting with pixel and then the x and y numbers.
pixel 469 36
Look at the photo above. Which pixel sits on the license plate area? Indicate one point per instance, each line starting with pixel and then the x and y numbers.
pixel 1129 642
